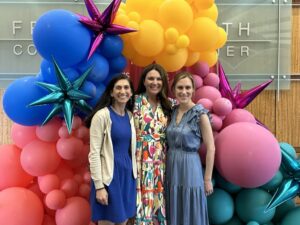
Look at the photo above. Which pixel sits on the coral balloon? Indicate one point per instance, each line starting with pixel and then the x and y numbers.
pixel 48 183
pixel 69 148
pixel 70 187
pixel 177 14
pixel 173 62
pixel 76 212
pixel 144 42
pixel 64 171
pixel 39 158
pixel 249 158
pixel 55 199
pixel 11 171
pixel 22 135
pixel 49 131
pixel 48 220
pixel 203 34
pixel 20 206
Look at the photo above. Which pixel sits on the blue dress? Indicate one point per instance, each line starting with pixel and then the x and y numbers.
pixel 185 194
pixel 122 189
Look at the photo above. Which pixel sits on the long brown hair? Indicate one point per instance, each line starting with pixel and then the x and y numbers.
pixel 163 94
pixel 106 99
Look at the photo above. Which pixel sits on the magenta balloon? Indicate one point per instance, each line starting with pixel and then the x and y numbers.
pixel 206 103
pixel 212 79
pixel 198 81
pixel 11 172
pixel 22 135
pixel 207 92
pixel 216 122
pixel 199 68
pixel 39 158
pixel 20 206
pixel 76 212
pixel 247 154
pixel 238 115
pixel 222 107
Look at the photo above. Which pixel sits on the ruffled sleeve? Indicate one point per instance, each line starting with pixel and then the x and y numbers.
pixel 194 119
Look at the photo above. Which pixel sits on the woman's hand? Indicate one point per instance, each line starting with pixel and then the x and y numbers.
pixel 208 186
pixel 102 196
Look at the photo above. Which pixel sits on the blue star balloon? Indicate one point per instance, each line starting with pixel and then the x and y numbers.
pixel 65 96
pixel 289 187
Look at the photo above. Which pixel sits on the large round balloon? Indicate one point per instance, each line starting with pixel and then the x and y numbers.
pixel 20 206
pixel 17 97
pixel 11 171
pixel 247 154
pixel 59 34
pixel 22 135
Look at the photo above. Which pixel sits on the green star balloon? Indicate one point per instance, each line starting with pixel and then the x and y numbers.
pixel 65 96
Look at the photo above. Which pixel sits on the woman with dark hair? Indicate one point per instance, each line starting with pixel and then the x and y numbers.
pixel 112 154
pixel 186 186
pixel 152 109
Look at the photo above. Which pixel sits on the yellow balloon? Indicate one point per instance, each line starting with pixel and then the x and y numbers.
pixel 133 25
pixel 149 40
pixel 146 8
pixel 183 41
pixel 173 62
pixel 177 14
pixel 210 58
pixel 121 19
pixel 212 13
pixel 193 57
pixel 203 34
pixel 141 61
pixel 134 16
pixel 128 49
pixel 222 38
pixel 171 35
pixel 203 4
pixel 171 49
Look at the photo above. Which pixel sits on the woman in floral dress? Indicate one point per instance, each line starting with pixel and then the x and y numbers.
pixel 151 112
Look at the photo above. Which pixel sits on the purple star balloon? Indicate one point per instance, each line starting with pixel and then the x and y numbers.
pixel 238 99
pixel 102 23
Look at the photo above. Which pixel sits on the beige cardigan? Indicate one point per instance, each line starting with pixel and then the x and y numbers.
pixel 101 156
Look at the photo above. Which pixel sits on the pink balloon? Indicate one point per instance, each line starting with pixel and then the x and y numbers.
pixel 76 122
pixel 84 190
pixel 78 178
pixel 222 107
pixel 76 212
pixel 39 158
pixel 20 206
pixel 34 187
pixel 82 133
pixel 63 132
pixel 247 154
pixel 69 148
pixel 11 172
pixel 70 187
pixel 206 103
pixel 22 135
pixel 87 177
pixel 49 131
pixel 80 160
pixel 64 171
pixel 48 220
pixel 238 115
pixel 199 68
pixel 207 92
pixel 212 79
pixel 48 183
pixel 198 81
pixel 55 199
pixel 216 122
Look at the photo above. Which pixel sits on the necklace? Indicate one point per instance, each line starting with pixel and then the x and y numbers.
pixel 117 112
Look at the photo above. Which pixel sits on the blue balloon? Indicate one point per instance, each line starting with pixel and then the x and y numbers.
pixel 89 88
pixel 117 64
pixel 99 92
pixel 111 46
pixel 18 96
pixel 100 68
pixel 59 34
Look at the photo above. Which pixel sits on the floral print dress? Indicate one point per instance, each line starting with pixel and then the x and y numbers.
pixel 151 158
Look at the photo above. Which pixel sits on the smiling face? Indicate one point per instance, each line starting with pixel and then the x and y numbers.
pixel 153 83
pixel 184 90
pixel 121 92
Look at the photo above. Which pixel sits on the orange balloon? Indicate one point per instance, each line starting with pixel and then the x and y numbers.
pixel 193 57
pixel 147 9
pixel 211 12
pixel 210 58
pixel 203 4
pixel 173 62
pixel 140 60
pixel 222 38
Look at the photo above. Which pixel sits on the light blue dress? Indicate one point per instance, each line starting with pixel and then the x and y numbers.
pixel 185 194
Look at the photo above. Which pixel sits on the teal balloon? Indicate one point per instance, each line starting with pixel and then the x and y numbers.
pixel 220 207
pixel 251 203
pixel 283 209
pixel 234 221
pixel 288 149
pixel 252 223
pixel 269 223
pixel 292 217
pixel 226 185
pixel 274 183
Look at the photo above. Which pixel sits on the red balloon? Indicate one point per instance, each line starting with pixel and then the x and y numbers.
pixel 22 135
pixel 70 187
pixel 39 158
pixel 55 199
pixel 20 206
pixel 69 148
pixel 64 171
pixel 48 183
pixel 48 220
pixel 11 172
pixel 76 212
pixel 49 131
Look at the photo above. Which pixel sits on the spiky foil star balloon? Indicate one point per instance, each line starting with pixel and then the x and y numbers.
pixel 238 98
pixel 65 96
pixel 102 23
